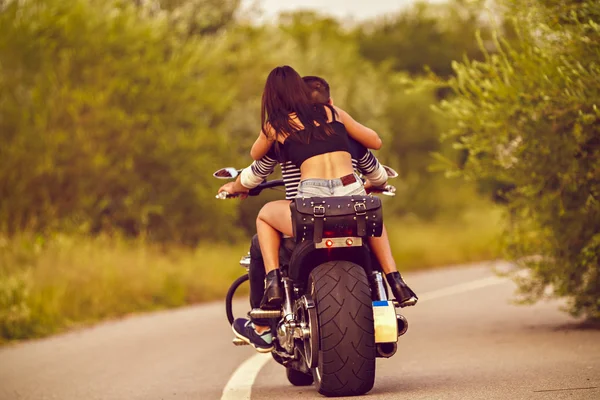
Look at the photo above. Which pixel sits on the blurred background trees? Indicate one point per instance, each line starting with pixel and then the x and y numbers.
pixel 115 113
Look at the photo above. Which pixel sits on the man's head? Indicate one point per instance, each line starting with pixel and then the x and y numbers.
pixel 319 89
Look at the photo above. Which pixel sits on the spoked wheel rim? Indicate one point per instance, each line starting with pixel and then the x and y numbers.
pixel 309 326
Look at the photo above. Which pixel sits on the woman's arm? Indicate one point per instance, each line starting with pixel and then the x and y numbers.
pixel 365 136
pixel 262 145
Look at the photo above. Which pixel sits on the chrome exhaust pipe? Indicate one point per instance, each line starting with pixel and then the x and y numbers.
pixel 386 350
pixel 265 314
pixel 402 324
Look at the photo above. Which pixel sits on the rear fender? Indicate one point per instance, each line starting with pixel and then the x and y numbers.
pixel 306 257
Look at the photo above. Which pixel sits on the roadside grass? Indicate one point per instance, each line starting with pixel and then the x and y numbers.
pixel 66 282
pixel 51 285
pixel 469 237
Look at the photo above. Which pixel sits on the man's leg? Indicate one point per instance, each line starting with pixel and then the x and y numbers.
pixel 255 331
pixel 256 274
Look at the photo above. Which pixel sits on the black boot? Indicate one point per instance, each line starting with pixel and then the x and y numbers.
pixel 273 296
pixel 403 294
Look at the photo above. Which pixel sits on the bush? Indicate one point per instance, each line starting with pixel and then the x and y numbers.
pixel 528 116
pixel 105 123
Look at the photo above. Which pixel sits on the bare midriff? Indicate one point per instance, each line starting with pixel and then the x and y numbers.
pixel 327 166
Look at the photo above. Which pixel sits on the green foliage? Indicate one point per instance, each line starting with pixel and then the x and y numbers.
pixel 104 120
pixel 114 114
pixel 63 281
pixel 529 116
pixel 426 35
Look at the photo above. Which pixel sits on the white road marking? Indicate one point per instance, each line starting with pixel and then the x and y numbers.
pixel 461 288
pixel 239 386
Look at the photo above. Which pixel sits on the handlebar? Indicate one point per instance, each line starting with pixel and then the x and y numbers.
pixel 387 190
pixel 254 191
pixel 265 185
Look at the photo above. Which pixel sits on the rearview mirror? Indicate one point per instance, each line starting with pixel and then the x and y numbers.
pixel 226 173
pixel 390 172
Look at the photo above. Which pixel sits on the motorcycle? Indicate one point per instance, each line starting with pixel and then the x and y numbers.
pixel 335 318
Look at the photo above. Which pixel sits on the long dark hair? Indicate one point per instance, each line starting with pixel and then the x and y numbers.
pixel 286 93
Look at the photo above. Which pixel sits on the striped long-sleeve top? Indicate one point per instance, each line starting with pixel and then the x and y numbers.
pixel 362 160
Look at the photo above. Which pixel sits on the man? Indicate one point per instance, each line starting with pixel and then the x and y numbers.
pixel 257 332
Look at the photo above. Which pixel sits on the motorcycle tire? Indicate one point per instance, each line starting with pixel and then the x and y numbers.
pixel 229 297
pixel 346 363
pixel 298 378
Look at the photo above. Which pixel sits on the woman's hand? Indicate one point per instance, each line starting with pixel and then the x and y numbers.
pixel 262 145
pixel 365 136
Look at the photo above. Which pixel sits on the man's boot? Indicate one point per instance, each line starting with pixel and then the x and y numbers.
pixel 273 296
pixel 403 294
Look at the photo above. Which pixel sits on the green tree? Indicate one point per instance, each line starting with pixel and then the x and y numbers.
pixel 425 35
pixel 105 118
pixel 529 116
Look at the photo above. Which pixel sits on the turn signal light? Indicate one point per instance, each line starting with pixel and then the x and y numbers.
pixel 349 242
pixel 329 243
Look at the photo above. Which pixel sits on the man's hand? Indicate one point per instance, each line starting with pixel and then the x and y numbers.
pixel 235 188
pixel 369 186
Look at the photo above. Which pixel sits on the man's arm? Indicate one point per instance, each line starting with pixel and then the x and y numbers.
pixel 251 176
pixel 257 172
pixel 367 164
pixel 370 167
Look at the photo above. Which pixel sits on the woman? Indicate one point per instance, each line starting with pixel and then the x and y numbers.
pixel 315 138
pixel 312 136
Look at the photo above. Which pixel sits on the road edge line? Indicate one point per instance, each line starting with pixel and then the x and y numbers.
pixel 462 288
pixel 239 386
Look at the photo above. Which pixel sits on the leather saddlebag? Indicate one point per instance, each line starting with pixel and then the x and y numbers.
pixel 315 218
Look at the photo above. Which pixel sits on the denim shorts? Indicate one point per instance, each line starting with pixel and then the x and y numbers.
pixel 330 188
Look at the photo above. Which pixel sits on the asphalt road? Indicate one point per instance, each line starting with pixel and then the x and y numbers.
pixel 464 342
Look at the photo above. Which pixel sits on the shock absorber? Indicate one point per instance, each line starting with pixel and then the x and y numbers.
pixel 377 287
pixel 287 300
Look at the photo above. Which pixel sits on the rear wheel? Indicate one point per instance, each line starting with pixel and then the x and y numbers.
pixel 298 378
pixel 346 362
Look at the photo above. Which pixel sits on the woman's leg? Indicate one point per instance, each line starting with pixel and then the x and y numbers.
pixel 380 246
pixel 274 218
pixel 382 250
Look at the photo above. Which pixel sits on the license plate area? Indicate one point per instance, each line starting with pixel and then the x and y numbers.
pixel 338 242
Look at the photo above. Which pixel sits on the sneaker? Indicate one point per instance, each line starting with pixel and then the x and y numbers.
pixel 244 330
